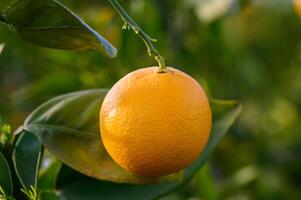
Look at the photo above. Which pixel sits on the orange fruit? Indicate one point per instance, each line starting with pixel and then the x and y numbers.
pixel 154 124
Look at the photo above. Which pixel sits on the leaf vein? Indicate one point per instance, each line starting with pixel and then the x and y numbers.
pixel 70 130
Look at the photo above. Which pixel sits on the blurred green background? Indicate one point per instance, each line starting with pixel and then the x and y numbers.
pixel 248 50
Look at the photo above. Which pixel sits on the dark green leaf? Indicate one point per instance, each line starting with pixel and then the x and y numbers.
pixel 26 159
pixel 68 127
pixel 225 113
pixel 48 195
pixel 48 23
pixel 5 176
pixel 68 175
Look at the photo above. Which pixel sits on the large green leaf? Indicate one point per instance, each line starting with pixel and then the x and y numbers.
pixel 5 176
pixel 26 159
pixel 225 113
pixel 48 23
pixel 68 126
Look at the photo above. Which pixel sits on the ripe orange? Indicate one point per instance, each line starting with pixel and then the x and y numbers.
pixel 298 7
pixel 154 124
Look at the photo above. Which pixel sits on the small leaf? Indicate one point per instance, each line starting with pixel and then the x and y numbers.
pixel 48 23
pixel 30 193
pixel 6 136
pixel 5 176
pixel 68 126
pixel 26 159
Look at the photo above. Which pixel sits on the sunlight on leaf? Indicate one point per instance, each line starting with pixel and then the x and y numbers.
pixel 1 47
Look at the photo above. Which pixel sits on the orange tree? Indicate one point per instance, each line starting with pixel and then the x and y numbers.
pixel 58 152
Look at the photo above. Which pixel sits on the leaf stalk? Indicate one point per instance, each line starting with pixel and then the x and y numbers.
pixel 148 41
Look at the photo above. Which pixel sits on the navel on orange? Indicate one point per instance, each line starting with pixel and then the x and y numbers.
pixel 154 124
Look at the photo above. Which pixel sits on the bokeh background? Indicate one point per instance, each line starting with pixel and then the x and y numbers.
pixel 248 50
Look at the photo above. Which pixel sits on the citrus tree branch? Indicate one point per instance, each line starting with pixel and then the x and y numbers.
pixel 130 23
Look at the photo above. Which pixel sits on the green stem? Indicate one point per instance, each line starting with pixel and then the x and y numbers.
pixel 129 22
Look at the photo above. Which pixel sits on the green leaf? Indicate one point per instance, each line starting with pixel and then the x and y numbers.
pixel 26 159
pixel 225 113
pixel 68 175
pixel 48 195
pixel 5 176
pixel 48 175
pixel 68 126
pixel 48 23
